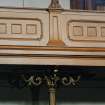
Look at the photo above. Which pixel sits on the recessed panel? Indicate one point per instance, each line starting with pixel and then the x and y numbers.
pixel 3 28
pixel 77 31
pixel 86 31
pixel 16 28
pixel 31 28
pixel 21 29
pixel 103 31
pixel 92 31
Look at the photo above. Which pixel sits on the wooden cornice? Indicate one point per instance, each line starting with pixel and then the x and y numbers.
pixel 52 48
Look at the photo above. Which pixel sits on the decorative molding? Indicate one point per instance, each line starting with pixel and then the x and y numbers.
pixel 55 38
pixel 31 29
pixel 54 48
pixel 21 29
pixel 3 28
pixel 16 28
pixel 85 31
pixel 55 4
pixel 51 80
pixel 92 31
pixel 78 30
pixel 103 31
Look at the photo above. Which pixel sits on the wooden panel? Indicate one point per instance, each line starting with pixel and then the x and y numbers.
pixel 3 28
pixel 31 29
pixel 24 27
pixel 83 30
pixel 86 31
pixel 16 28
pixel 21 29
pixel 77 30
pixel 92 31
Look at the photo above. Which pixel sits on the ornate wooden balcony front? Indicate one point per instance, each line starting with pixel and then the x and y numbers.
pixel 52 36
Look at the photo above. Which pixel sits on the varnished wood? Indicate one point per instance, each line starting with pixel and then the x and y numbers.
pixel 52 48
pixel 56 43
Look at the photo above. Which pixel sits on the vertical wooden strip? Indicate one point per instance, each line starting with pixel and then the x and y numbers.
pixel 55 28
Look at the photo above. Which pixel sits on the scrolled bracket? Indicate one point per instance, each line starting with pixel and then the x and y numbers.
pixel 70 81
pixel 52 80
pixel 33 80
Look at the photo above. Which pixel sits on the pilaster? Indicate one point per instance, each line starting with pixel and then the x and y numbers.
pixel 55 10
